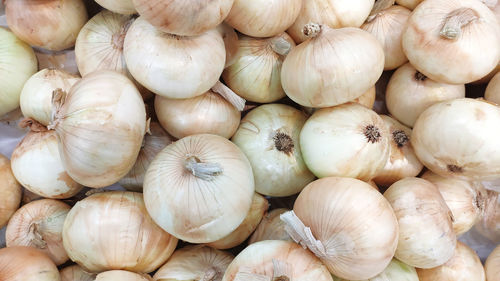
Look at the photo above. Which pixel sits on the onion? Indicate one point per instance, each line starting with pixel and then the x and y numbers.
pixel 49 24
pixel 276 260
pixel 256 73
pixel 489 225
pixel 230 38
pixel 239 235
pixel 39 224
pixel 153 143
pixel 10 191
pixel 17 64
pixel 348 140
pixel 36 96
pixel 410 4
pixel 125 7
pixel 367 99
pixel 351 57
pixel 121 275
pixel 466 146
pixel 395 271
pixel 100 134
pixel 452 41
pixel 269 137
pixel 334 13
pixel 409 93
pixel 27 264
pixel 492 92
pixel 402 161
pixel 262 18
pixel 200 188
pixel 112 230
pixel 76 273
pixel 173 66
pixel 492 265
pixel 195 263
pixel 387 25
pixel 347 224
pixel 271 227
pixel 426 236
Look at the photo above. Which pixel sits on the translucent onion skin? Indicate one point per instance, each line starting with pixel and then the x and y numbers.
pixel 10 191
pixel 273 257
pixel 262 18
pixel 125 7
pixel 122 237
pixel 395 271
pixel 17 64
pixel 186 18
pixel 271 227
pixel 27 264
pixel 220 183
pixel 492 92
pixel 492 265
pixel 463 266
pixel 426 236
pixel 269 137
pixel 76 273
pixel 475 123
pixel 122 275
pixel 52 24
pixel 195 263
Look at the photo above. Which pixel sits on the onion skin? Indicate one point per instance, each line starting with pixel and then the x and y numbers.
pixel 489 225
pixel 27 264
pixel 395 271
pixel 125 7
pixel 492 92
pixel 230 38
pixel 492 265
pixel 76 273
pixel 410 4
pixel 271 227
pixel 367 99
pixel 10 191
pixel 121 275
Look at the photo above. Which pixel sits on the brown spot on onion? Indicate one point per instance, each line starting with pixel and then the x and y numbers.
pixel 420 76
pixel 454 169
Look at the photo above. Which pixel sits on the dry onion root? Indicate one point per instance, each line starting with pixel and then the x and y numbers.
pixel 27 264
pixel 271 227
pixel 10 191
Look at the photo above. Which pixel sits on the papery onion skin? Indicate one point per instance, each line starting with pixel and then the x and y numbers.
pixel 269 137
pixel 194 263
pixel 39 225
pixel 489 225
pixel 466 146
pixel 492 265
pixel 258 258
pixel 271 227
pixel 333 53
pixel 17 63
pixel 395 271
pixel 410 4
pixel 49 24
pixel 262 18
pixel 124 237
pixel 27 264
pixel 10 191
pixel 100 135
pixel 200 60
pixel 125 7
pixel 410 92
pixel 463 266
pixel 122 275
pixel 36 96
pixel 467 57
pixel 492 92
pixel 348 140
pixel 208 113
pixel 402 161
pixel 222 197
pixel 76 273
pixel 426 236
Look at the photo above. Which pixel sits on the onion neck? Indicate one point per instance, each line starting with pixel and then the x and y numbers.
pixel 58 99
pixel 312 30
pixel 280 45
pixel 118 39
pixel 378 7
pixel 455 20
pixel 36 237
pixel 228 94
pixel 204 171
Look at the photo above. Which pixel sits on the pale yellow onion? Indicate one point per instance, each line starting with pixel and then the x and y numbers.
pixel 347 224
pixel 489 225
pixel 452 41
pixel 466 200
pixel 256 73
pixel 459 138
pixel 230 38
pixel 125 7
pixel 395 271
pixel 410 4
pixel 200 188
pixel 271 227
pixel 100 124
pixel 263 18
pixel 402 161
pixel 276 260
pixel 26 264
pixel 154 141
pixel 17 64
pixel 76 273
pixel 334 67
pixel 409 93
pixel 173 66
pixel 10 191
pixel 48 24
pixel 39 225
pixel 239 235
pixel 269 137
pixel 121 275
pixel 348 140
pixel 37 165
pixel 180 17
pixel 112 230
pixel 492 92
pixel 387 26
pixel 63 60
pixel 492 265
pixel 194 263
pixel 334 13
pixel 36 96
pixel 426 236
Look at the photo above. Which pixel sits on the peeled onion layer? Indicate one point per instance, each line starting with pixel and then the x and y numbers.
pixel 27 264
pixel 10 191
pixel 271 227
pixel 492 265
pixel 395 271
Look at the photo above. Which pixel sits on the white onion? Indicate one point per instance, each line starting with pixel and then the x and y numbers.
pixel 125 7
pixel 76 273
pixel 27 264
pixel 10 191
pixel 492 92
pixel 492 265
pixel 271 227
pixel 395 271
pixel 122 275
